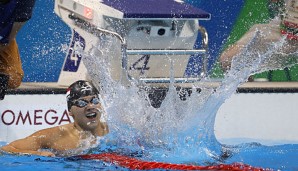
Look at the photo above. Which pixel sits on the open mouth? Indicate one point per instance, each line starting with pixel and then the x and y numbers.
pixel 91 115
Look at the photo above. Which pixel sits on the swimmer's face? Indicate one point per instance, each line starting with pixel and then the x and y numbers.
pixel 86 112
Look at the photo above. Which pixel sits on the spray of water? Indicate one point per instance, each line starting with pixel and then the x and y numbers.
pixel 178 131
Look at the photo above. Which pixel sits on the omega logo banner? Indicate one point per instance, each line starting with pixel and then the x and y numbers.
pixel 22 115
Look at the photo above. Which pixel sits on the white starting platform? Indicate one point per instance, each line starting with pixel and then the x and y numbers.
pixel 150 38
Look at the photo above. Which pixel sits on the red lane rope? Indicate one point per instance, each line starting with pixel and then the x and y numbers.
pixel 136 164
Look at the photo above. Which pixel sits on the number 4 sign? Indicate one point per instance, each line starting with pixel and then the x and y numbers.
pixel 142 65
pixel 73 59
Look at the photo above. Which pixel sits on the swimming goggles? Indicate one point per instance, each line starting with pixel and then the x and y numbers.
pixel 83 103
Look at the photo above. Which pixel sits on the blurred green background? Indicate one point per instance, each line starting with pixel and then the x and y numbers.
pixel 256 12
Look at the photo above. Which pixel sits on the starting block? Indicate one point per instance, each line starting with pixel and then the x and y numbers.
pixel 152 36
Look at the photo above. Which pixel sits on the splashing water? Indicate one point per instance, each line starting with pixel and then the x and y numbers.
pixel 179 131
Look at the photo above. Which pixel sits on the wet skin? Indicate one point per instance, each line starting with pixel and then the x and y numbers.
pixel 86 126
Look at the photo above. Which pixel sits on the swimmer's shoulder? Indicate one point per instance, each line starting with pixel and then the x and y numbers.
pixel 49 136
pixel 52 132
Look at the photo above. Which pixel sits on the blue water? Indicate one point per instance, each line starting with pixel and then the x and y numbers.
pixel 177 132
pixel 281 157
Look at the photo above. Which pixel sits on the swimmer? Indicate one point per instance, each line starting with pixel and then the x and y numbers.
pixel 85 106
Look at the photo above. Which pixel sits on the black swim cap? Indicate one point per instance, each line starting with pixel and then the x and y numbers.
pixel 79 89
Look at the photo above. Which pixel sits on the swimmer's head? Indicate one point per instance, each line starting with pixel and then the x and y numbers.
pixel 79 89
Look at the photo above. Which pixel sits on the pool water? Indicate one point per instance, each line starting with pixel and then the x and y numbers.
pixel 177 132
pixel 281 157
